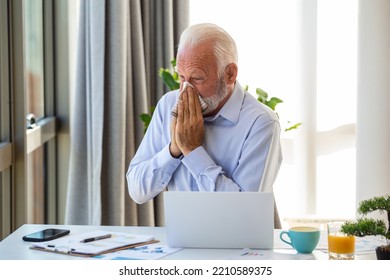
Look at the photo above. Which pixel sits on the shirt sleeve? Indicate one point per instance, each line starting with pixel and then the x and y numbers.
pixel 152 167
pixel 146 179
pixel 273 161
pixel 208 175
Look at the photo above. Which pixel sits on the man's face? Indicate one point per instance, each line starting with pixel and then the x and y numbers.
pixel 198 67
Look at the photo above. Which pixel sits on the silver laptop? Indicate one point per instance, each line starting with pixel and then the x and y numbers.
pixel 219 219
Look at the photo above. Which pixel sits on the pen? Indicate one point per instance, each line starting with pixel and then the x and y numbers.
pixel 90 239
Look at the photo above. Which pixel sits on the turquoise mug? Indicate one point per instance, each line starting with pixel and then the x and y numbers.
pixel 303 239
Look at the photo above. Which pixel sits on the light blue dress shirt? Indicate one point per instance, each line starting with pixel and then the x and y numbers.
pixel 241 151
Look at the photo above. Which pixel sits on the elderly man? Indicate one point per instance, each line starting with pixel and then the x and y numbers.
pixel 232 145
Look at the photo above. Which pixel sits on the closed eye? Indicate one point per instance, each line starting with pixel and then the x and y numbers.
pixel 198 80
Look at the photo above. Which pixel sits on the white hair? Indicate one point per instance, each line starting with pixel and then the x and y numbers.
pixel 225 50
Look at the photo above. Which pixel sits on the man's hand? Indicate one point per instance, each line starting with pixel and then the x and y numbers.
pixel 187 129
pixel 173 148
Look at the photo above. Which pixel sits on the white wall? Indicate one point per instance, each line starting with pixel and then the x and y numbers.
pixel 373 108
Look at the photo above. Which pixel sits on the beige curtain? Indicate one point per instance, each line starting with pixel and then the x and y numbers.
pixel 122 45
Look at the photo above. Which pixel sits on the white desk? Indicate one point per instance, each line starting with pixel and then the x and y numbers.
pixel 14 248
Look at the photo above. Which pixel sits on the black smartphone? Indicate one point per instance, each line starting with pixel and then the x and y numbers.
pixel 46 235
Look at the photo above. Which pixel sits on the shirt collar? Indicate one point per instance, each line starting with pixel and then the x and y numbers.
pixel 230 111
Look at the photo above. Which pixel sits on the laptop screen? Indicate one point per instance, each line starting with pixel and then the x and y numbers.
pixel 219 219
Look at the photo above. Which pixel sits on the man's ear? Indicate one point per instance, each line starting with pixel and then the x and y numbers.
pixel 231 72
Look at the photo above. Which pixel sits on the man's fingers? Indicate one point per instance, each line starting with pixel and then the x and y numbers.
pixel 193 103
pixel 180 111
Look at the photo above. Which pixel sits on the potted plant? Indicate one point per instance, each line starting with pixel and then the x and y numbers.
pixel 368 226
pixel 172 81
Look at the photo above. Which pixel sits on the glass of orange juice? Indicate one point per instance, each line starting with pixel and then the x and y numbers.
pixel 340 245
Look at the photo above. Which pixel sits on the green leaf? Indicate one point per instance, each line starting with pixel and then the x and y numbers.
pixel 273 102
pixel 145 117
pixel 262 95
pixel 176 78
pixel 364 226
pixel 173 63
pixel 381 203
pixel 169 79
pixel 295 126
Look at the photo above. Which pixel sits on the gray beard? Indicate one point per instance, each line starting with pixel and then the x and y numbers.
pixel 214 100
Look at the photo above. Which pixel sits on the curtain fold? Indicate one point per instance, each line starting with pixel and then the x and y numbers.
pixel 121 46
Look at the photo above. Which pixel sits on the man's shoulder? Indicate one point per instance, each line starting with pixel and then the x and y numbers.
pixel 169 98
pixel 254 107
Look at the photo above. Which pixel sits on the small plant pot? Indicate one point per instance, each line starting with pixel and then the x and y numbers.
pixel 383 252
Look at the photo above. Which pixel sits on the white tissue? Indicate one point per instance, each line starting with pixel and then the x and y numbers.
pixel 202 103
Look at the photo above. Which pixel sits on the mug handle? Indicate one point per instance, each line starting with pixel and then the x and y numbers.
pixel 281 237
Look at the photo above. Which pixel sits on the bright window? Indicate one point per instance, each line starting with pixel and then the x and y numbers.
pixel 269 40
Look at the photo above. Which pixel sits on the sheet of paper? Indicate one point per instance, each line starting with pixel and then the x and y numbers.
pixel 248 254
pixel 72 243
pixel 368 244
pixel 147 252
